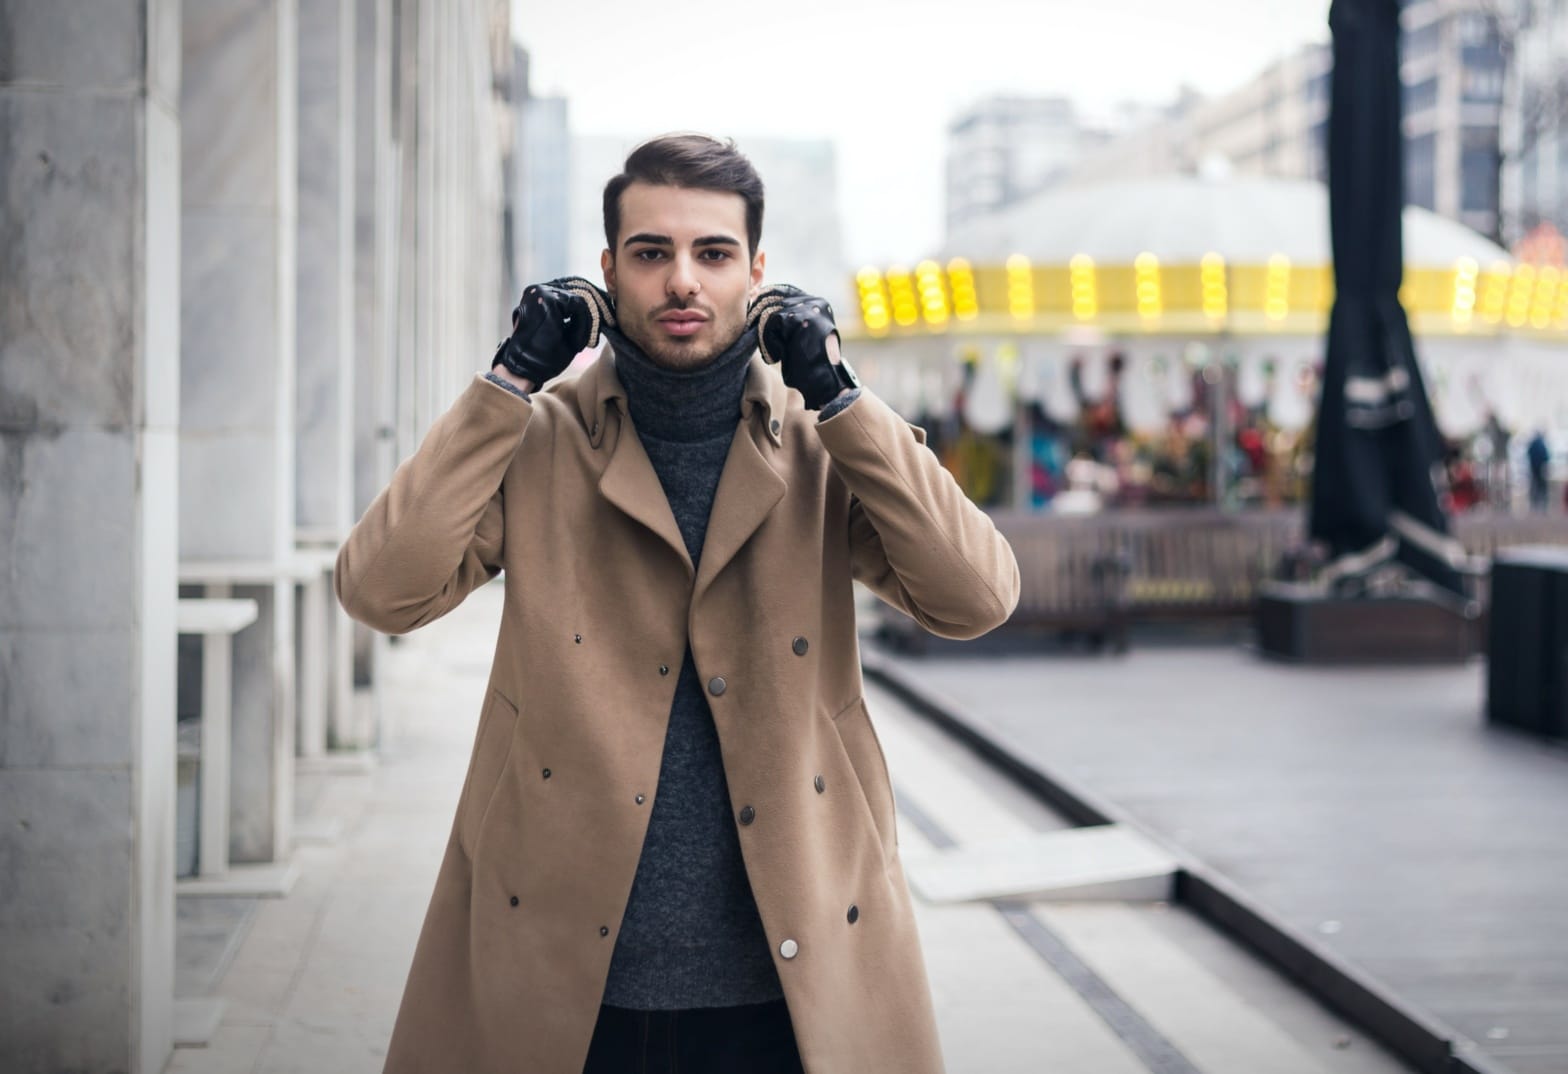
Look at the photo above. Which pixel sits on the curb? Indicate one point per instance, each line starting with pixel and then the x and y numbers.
pixel 1425 1042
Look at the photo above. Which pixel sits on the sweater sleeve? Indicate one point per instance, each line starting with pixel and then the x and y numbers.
pixel 916 540
pixel 835 405
pixel 436 531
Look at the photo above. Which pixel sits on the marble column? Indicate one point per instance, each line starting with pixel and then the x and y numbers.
pixel 375 281
pixel 89 419
pixel 237 378
pixel 325 334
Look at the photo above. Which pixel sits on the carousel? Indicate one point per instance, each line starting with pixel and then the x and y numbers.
pixel 1159 343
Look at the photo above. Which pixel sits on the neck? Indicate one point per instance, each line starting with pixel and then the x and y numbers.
pixel 684 405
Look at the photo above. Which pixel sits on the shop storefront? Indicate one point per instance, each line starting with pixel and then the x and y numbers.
pixel 1158 344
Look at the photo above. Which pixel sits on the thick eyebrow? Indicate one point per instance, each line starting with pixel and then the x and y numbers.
pixel 664 240
pixel 652 240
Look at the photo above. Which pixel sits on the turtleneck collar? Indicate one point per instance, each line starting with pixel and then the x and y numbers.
pixel 683 406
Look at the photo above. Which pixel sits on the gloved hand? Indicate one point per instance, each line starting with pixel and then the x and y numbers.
pixel 551 324
pixel 793 329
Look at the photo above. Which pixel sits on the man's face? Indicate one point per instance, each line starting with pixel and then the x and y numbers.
pixel 680 272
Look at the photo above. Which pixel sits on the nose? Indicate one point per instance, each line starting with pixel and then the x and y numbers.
pixel 682 282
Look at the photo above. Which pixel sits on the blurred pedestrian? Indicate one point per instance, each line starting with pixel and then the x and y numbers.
pixel 1537 455
pixel 674 846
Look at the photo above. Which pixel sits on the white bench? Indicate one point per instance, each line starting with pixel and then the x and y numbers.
pixel 326 662
pixel 216 875
pixel 216 621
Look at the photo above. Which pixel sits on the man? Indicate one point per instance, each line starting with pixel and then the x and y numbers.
pixel 675 843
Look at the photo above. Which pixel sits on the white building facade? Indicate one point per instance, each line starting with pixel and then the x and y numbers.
pixel 256 247
pixel 1006 148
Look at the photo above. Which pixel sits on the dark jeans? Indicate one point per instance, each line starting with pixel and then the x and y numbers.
pixel 757 1038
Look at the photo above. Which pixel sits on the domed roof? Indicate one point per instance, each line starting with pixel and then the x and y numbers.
pixel 1182 218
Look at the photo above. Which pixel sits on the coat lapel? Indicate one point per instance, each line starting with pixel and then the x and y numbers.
pixel 750 486
pixel 630 483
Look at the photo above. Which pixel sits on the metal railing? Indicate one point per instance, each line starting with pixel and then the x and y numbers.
pixel 1099 573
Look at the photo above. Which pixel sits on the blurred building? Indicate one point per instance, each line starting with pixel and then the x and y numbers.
pixel 1535 179
pixel 543 193
pixel 1273 126
pixel 1453 71
pixel 253 248
pixel 802 230
pixel 1277 123
pixel 1005 148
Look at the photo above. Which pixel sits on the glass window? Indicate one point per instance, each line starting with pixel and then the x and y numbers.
pixel 1421 96
pixel 1478 166
pixel 1482 84
pixel 1476 29
pixel 1318 87
pixel 1423 42
pixel 1421 171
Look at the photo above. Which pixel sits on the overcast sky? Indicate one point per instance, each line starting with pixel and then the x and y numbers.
pixel 882 79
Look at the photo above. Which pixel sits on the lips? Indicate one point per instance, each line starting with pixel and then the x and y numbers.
pixel 683 322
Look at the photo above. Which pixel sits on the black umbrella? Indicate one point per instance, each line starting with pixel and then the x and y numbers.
pixel 1378 454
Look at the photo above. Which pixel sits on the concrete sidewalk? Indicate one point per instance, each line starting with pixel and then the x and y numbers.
pixel 313 980
pixel 1370 809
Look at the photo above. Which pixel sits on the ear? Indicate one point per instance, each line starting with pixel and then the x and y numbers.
pixel 758 263
pixel 607 266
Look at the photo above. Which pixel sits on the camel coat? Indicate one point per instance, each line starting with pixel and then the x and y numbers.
pixel 600 601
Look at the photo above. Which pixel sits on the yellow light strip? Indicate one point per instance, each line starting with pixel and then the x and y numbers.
pixel 1085 289
pixel 1276 300
pixel 1466 272
pixel 933 294
pixel 901 289
pixel 1520 293
pixel 1216 298
pixel 1206 296
pixel 875 309
pixel 961 277
pixel 1494 292
pixel 1020 287
pixel 1146 273
pixel 1546 288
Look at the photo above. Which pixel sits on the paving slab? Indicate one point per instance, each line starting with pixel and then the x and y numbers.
pixel 1108 861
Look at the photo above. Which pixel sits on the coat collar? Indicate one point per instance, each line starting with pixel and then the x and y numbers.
pixel 765 394
pixel 749 487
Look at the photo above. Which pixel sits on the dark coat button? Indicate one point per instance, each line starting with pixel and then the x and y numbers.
pixel 854 913
pixel 604 930
pixel 664 669
pixel 820 784
pixel 546 773
pixel 578 638
pixel 776 426
pixel 514 900
pixel 800 645
pixel 717 686
pixel 639 799
pixel 747 815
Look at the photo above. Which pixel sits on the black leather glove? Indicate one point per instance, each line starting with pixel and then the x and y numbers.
pixel 551 324
pixel 792 329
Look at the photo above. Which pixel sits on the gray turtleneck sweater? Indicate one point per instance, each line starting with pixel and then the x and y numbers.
pixel 691 936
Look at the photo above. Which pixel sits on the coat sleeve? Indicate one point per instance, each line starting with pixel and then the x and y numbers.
pixel 435 532
pixel 916 540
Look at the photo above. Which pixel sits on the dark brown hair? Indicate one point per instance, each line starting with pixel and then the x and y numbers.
pixel 696 162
